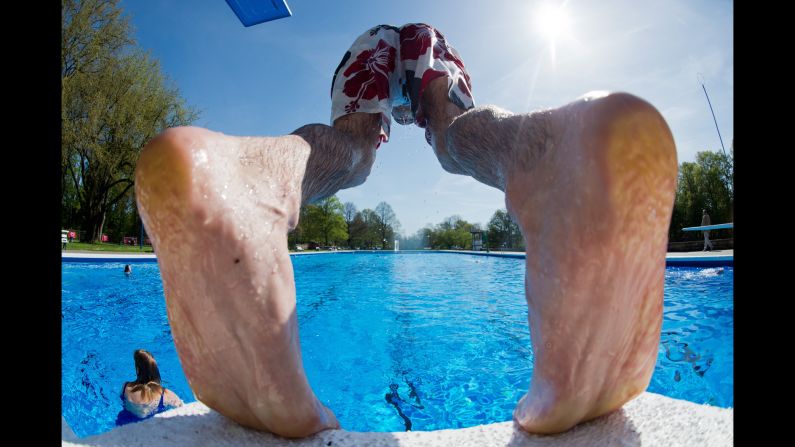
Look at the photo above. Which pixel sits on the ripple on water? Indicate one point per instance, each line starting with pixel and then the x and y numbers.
pixel 440 338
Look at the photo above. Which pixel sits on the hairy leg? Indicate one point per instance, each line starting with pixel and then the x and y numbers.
pixel 440 113
pixel 591 185
pixel 342 156
pixel 218 209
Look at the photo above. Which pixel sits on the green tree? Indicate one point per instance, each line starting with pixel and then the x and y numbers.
pixel 502 232
pixel 358 231
pixel 707 183
pixel 349 213
pixel 114 99
pixel 387 224
pixel 325 221
pixel 92 32
pixel 452 233
pixel 427 236
pixel 122 219
pixel 298 235
pixel 370 228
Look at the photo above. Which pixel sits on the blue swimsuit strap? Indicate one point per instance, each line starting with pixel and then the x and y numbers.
pixel 160 406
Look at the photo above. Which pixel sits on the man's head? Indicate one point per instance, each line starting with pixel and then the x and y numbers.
pixel 402 114
pixel 703 211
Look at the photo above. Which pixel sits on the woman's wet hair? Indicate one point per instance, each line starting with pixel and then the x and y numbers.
pixel 147 373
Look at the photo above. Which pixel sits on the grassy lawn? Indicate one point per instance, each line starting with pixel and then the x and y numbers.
pixel 108 247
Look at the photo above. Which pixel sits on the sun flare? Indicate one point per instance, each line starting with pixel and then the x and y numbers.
pixel 552 21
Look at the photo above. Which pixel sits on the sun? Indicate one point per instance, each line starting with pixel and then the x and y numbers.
pixel 552 20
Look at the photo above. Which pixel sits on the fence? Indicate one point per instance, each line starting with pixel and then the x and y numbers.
pixel 74 236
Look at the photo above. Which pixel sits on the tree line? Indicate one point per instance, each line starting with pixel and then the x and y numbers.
pixel 454 232
pixel 332 223
pixel 706 184
pixel 114 98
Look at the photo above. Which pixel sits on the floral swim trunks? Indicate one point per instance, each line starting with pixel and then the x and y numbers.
pixel 386 70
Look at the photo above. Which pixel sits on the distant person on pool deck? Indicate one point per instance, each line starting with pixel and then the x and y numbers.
pixel 128 269
pixel 591 185
pixel 145 397
pixel 705 221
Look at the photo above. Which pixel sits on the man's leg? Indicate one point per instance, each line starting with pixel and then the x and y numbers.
pixel 707 242
pixel 218 209
pixel 591 185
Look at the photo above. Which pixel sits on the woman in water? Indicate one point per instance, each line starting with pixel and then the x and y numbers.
pixel 145 397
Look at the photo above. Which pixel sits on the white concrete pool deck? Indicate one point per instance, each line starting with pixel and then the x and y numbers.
pixel 649 420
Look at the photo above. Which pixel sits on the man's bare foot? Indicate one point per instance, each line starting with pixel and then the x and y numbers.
pixel 591 184
pixel 218 209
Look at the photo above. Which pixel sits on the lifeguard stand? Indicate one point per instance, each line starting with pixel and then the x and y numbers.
pixel 477 240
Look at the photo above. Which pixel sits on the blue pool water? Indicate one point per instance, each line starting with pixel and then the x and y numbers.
pixel 431 339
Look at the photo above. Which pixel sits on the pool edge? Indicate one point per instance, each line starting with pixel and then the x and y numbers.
pixel 639 422
pixel 724 258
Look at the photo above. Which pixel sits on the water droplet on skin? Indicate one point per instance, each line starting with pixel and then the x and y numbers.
pixel 200 158
pixel 223 196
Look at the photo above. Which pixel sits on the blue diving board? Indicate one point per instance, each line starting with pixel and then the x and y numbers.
pixel 253 12
pixel 710 227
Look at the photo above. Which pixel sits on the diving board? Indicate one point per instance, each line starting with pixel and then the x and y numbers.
pixel 253 12
pixel 710 227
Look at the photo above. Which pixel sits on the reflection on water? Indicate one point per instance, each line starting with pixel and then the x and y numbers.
pixel 697 341
pixel 390 342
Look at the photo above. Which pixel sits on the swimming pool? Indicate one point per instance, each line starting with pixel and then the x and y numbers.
pixel 430 340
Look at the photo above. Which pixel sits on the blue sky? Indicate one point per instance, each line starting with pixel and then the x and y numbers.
pixel 272 78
